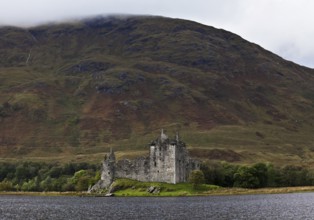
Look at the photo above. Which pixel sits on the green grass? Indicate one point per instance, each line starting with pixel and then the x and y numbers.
pixel 213 192
pixel 128 187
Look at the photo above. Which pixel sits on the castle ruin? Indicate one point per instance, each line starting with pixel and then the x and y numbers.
pixel 168 161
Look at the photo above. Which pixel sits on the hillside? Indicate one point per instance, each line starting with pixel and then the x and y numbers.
pixel 69 91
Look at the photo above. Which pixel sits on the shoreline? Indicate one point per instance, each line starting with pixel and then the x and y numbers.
pixel 262 191
pixel 214 192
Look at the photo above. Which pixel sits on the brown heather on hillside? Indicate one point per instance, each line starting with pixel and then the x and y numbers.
pixel 70 91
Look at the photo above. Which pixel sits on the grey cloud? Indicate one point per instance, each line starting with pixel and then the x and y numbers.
pixel 282 26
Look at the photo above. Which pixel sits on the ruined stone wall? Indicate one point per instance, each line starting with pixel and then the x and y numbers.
pixel 182 163
pixel 166 163
pixel 108 170
pixel 137 169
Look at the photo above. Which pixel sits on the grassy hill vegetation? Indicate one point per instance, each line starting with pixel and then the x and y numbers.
pixel 70 91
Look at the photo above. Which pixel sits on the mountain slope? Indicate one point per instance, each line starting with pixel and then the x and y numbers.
pixel 78 88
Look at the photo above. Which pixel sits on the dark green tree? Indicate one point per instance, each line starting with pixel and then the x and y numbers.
pixel 196 178
pixel 6 186
pixel 246 177
pixel 228 171
pixel 261 172
pixel 213 173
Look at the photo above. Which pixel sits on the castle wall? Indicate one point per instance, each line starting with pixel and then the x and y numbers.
pixel 137 169
pixel 182 164
pixel 168 161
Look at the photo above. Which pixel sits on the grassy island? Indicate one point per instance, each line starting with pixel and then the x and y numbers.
pixel 128 187
pixel 131 188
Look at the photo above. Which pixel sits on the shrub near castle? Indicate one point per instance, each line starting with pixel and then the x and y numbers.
pixel 196 178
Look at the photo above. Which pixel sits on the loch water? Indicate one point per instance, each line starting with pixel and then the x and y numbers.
pixel 272 206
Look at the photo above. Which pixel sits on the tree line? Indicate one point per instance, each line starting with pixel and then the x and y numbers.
pixel 39 177
pixel 258 175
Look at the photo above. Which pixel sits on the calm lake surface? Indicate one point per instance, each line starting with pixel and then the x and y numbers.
pixel 282 206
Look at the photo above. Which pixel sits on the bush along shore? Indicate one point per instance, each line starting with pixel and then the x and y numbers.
pixel 217 178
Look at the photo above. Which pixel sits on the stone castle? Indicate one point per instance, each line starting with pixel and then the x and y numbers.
pixel 168 161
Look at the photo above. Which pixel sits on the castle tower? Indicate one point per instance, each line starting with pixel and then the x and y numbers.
pixel 112 157
pixel 163 136
pixel 108 168
pixel 177 137
pixel 168 159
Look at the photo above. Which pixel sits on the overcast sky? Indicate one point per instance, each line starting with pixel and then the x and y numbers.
pixel 281 26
